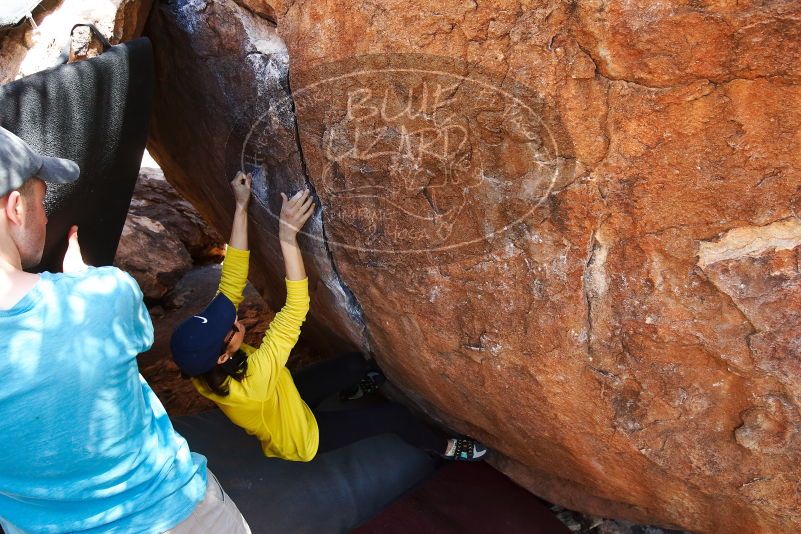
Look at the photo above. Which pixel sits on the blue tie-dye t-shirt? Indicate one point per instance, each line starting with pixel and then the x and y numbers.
pixel 87 446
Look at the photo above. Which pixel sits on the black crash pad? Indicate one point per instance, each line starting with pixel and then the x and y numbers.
pixel 335 492
pixel 94 112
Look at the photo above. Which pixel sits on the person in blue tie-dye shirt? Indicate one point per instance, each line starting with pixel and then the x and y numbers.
pixel 87 445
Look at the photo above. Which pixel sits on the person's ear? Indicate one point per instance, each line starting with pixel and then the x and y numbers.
pixel 14 207
pixel 223 358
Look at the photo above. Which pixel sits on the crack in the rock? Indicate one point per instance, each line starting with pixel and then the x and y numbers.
pixel 753 330
pixel 272 19
pixel 427 195
pixel 353 307
pixel 612 377
pixel 607 129
pixel 603 73
pixel 589 290
pixel 713 81
pixel 586 290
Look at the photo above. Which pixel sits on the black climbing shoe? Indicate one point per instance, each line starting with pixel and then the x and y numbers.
pixel 367 386
pixel 466 450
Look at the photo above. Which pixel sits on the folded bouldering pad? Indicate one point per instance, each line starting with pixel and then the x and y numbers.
pixel 94 112
pixel 333 493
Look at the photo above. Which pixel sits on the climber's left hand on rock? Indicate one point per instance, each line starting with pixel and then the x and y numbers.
pixel 241 186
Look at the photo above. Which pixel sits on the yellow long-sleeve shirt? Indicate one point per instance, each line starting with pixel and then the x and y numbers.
pixel 266 402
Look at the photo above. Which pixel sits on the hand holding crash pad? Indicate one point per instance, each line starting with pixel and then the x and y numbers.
pixel 73 259
pixel 94 112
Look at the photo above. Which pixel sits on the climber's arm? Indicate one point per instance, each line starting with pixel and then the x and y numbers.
pixel 235 266
pixel 279 339
pixel 295 212
pixel 284 330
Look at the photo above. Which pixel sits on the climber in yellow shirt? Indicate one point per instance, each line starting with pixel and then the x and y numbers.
pixel 253 386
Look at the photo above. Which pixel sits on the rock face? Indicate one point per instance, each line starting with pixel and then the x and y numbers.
pixel 156 199
pixel 570 230
pixel 163 237
pixel 152 255
pixel 221 68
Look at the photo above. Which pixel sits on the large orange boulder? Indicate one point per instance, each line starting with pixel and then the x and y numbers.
pixel 570 230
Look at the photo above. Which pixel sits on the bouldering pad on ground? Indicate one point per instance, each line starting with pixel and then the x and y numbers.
pixel 466 499
pixel 333 493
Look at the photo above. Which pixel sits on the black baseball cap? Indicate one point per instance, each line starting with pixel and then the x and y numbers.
pixel 19 162
pixel 197 342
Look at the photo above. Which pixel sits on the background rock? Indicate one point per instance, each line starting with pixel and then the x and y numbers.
pixel 163 237
pixel 25 50
pixel 584 524
pixel 152 255
pixel 156 199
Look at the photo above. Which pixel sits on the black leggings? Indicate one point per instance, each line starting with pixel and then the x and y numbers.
pixel 342 427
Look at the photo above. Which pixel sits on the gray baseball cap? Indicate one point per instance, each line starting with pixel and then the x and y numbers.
pixel 18 162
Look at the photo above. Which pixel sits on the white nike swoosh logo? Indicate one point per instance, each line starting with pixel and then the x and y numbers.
pixel 202 319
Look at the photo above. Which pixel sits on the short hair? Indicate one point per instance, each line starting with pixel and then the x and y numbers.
pixel 26 189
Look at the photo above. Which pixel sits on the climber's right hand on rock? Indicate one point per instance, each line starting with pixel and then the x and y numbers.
pixel 241 186
pixel 295 212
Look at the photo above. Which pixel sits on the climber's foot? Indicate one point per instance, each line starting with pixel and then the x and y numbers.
pixel 367 386
pixel 464 450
